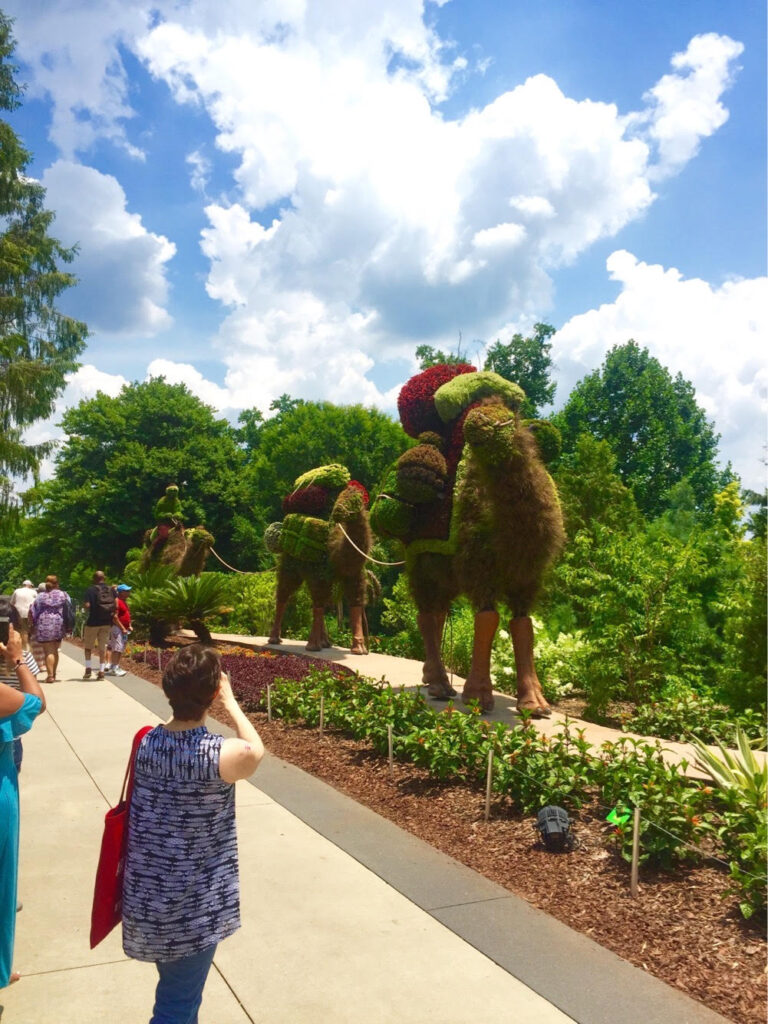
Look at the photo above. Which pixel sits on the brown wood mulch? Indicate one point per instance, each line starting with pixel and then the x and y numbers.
pixel 679 928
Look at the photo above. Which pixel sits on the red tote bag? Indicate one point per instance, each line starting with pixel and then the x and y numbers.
pixel 107 908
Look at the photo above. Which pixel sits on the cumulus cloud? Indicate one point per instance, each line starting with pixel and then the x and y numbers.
pixel 685 106
pixel 362 219
pixel 407 225
pixel 120 264
pixel 84 383
pixel 185 373
pixel 714 336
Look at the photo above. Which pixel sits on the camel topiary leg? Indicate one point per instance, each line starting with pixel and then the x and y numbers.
pixel 529 693
pixel 277 623
pixel 315 642
pixel 433 675
pixel 356 625
pixel 478 684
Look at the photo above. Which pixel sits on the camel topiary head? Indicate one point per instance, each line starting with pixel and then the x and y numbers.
pixel 492 431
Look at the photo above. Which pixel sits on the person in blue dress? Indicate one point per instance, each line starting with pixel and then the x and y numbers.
pixel 18 710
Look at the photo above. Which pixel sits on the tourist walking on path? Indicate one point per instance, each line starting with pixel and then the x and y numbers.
pixel 52 619
pixel 22 600
pixel 181 891
pixel 101 604
pixel 118 636
pixel 18 710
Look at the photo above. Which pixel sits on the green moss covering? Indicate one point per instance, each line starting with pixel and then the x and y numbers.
pixel 421 474
pixel 168 507
pixel 272 538
pixel 334 477
pixel 304 537
pixel 348 505
pixel 453 398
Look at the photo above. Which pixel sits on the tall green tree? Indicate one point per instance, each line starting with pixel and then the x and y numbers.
pixel 653 424
pixel 429 356
pixel 38 344
pixel 119 455
pixel 527 362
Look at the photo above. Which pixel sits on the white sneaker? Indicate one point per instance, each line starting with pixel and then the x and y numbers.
pixel 108 670
pixel 118 672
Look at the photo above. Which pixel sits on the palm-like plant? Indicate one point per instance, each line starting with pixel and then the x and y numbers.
pixel 739 773
pixel 742 779
pixel 191 600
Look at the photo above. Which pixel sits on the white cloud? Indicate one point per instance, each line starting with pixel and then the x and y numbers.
pixel 185 373
pixel 685 106
pixel 84 383
pixel 714 336
pixel 120 265
pixel 363 219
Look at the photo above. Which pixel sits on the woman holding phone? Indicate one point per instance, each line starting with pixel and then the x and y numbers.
pixel 18 711
pixel 181 893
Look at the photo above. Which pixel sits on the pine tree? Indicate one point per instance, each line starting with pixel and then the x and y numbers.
pixel 38 344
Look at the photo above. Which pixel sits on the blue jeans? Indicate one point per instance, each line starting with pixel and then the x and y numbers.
pixel 180 988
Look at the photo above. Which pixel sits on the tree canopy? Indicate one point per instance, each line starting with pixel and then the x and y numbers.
pixel 38 344
pixel 118 457
pixel 527 362
pixel 652 422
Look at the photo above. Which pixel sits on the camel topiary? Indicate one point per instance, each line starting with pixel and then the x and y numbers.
pixel 322 541
pixel 478 515
pixel 169 543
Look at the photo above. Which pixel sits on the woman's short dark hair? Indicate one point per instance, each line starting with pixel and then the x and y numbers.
pixel 190 681
pixel 51 582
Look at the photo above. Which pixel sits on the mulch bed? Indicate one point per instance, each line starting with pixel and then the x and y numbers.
pixel 679 928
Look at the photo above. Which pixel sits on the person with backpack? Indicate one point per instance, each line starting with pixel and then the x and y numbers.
pixel 52 619
pixel 100 603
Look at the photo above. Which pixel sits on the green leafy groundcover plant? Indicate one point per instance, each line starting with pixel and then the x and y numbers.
pixel 678 814
pixel 693 715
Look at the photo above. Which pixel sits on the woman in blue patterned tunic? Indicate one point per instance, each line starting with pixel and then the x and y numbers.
pixel 18 710
pixel 181 893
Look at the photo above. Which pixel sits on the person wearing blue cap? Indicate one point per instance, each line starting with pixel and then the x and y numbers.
pixel 121 627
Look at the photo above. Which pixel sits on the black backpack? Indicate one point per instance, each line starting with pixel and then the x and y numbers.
pixel 106 601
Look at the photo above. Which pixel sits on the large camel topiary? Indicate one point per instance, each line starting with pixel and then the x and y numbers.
pixel 322 541
pixel 478 514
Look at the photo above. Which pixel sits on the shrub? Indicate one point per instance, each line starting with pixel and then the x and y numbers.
pixel 742 787
pixel 689 715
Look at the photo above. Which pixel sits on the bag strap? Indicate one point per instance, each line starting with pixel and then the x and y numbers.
pixel 125 793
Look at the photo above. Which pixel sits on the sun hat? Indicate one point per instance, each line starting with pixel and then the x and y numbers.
pixel 27 583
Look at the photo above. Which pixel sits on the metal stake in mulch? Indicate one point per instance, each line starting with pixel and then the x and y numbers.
pixel 488 781
pixel 159 660
pixel 322 712
pixel 269 703
pixel 635 852
pixel 389 750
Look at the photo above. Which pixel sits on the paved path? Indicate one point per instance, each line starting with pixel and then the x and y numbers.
pixel 346 919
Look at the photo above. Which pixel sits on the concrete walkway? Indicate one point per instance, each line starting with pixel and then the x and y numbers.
pixel 345 917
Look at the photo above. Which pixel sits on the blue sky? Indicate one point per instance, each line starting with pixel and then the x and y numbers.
pixel 289 196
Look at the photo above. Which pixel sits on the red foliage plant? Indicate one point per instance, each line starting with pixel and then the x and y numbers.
pixel 310 501
pixel 358 486
pixel 415 403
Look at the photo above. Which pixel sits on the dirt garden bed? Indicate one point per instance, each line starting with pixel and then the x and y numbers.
pixel 679 929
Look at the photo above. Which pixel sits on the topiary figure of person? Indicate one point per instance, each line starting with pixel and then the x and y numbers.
pixel 323 541
pixel 168 543
pixel 464 531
